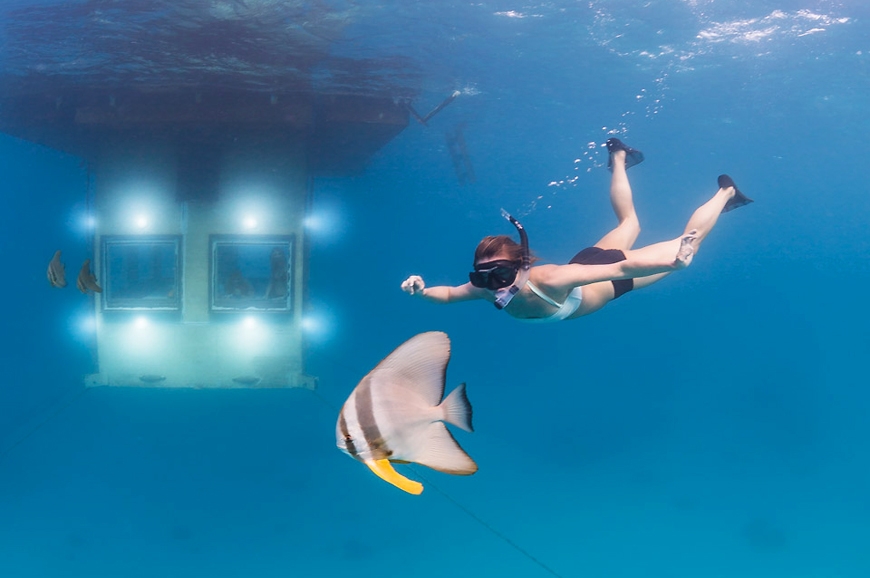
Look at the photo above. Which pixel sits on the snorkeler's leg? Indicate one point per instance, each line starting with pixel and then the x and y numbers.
pixel 641 282
pixel 705 217
pixel 625 234
pixel 663 252
pixel 597 295
pixel 699 226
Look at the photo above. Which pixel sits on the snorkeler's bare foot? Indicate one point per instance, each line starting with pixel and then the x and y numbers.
pixel 687 249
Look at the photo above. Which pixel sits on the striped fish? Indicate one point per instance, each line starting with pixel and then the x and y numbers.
pixel 396 414
pixel 56 271
pixel 86 281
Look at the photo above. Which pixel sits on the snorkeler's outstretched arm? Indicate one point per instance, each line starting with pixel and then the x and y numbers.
pixel 414 285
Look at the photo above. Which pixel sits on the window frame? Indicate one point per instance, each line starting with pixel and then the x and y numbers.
pixel 216 242
pixel 110 303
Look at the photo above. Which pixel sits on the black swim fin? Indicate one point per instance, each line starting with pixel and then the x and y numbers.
pixel 738 200
pixel 632 156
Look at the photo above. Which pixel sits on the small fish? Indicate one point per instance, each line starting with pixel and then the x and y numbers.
pixel 396 414
pixel 86 281
pixel 247 379
pixel 56 271
pixel 152 378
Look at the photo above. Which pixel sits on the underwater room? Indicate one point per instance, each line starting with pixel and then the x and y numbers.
pixel 241 241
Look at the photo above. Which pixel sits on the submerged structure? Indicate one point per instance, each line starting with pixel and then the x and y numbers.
pixel 201 152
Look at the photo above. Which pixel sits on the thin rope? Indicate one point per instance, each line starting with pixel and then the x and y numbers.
pixel 483 523
pixel 459 505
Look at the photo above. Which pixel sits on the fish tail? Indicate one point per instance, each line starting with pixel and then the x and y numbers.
pixel 457 408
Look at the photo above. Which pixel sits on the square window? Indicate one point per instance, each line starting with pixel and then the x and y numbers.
pixel 251 273
pixel 142 272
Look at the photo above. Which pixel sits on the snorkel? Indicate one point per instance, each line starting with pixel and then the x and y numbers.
pixel 504 296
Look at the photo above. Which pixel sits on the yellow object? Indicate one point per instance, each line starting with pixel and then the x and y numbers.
pixel 384 470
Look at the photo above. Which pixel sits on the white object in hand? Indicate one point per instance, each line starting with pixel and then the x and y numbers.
pixel 413 285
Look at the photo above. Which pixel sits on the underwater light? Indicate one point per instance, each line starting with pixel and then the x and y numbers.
pixel 311 324
pixel 87 324
pixel 141 337
pixel 314 222
pixel 252 336
pixel 87 222
pixel 141 221
pixel 323 223
pixel 249 222
pixel 83 326
pixel 317 327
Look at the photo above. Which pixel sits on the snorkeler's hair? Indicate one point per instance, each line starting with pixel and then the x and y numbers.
pixel 492 245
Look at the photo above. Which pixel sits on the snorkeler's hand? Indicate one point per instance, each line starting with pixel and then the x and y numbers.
pixel 413 285
pixel 687 250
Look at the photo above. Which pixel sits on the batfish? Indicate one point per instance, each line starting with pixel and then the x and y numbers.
pixel 396 414
pixel 56 271
pixel 86 281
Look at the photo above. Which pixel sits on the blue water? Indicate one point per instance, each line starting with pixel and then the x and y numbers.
pixel 712 425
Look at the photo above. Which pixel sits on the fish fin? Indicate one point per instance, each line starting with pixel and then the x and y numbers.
pixel 97 288
pixel 457 408
pixel 421 363
pixel 384 470
pixel 441 452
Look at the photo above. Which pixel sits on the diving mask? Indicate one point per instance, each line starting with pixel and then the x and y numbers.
pixel 494 275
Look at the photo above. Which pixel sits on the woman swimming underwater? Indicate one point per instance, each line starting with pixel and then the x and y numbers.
pixel 503 272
